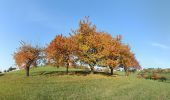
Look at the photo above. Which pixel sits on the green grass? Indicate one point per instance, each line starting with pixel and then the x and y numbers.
pixel 49 83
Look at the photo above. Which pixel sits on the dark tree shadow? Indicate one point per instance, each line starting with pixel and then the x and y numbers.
pixel 78 73
pixel 2 74
pixel 167 82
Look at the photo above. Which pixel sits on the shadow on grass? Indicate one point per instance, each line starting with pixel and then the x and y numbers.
pixel 2 74
pixel 78 73
pixel 167 82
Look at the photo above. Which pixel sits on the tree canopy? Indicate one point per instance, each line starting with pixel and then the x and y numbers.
pixel 91 47
pixel 61 50
pixel 26 55
pixel 85 45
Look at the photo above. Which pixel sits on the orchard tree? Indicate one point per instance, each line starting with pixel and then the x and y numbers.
pixel 110 54
pixel 90 43
pixel 127 59
pixel 90 47
pixel 116 54
pixel 61 51
pixel 26 55
pixel 53 52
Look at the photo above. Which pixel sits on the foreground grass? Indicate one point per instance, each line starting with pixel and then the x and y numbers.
pixel 48 83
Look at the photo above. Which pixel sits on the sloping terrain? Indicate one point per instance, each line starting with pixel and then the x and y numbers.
pixel 49 83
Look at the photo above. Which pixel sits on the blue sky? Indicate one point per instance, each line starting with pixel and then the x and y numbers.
pixel 144 25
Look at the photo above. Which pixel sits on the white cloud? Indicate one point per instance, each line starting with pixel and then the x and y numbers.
pixel 159 45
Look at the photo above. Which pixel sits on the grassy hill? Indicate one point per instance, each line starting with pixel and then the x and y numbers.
pixel 49 83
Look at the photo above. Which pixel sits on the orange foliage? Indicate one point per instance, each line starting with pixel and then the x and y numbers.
pixel 60 51
pixel 26 55
pixel 90 43
pixel 86 45
pixel 91 47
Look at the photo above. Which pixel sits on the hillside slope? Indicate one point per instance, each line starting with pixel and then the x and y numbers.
pixel 48 83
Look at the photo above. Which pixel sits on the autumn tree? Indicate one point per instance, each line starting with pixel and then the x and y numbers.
pixel 127 59
pixel 26 55
pixel 90 43
pixel 116 54
pixel 92 48
pixel 110 53
pixel 61 51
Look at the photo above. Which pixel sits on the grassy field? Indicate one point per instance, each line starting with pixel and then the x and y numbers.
pixel 48 83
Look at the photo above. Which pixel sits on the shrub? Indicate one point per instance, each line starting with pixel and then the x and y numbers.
pixel 155 76
pixel 148 77
pixel 162 78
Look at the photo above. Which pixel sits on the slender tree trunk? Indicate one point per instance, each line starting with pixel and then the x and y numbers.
pixel 111 70
pixel 126 71
pixel 27 69
pixel 67 68
pixel 91 70
pixel 57 66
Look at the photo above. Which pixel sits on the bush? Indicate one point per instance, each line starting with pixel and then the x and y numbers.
pixel 155 76
pixel 145 76
pixel 148 77
pixel 162 78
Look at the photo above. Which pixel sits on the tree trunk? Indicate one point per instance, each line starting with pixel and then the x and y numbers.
pixel 126 71
pixel 111 70
pixel 67 68
pixel 27 71
pixel 28 68
pixel 57 66
pixel 91 70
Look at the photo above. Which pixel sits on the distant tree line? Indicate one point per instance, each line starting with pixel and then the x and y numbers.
pixel 85 45
pixel 9 69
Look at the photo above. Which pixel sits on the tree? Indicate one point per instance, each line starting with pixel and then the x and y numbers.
pixel 26 55
pixel 127 59
pixel 61 51
pixel 90 47
pixel 110 54
pixel 5 71
pixel 116 54
pixel 90 43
